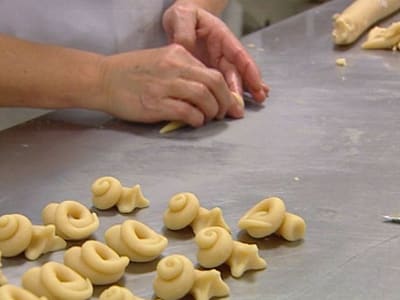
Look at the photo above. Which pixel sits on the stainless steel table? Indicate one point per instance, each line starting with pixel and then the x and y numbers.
pixel 327 142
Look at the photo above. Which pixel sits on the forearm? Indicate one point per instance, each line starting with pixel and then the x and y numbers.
pixel 36 75
pixel 214 6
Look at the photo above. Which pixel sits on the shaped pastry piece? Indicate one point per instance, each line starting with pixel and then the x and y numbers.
pixel 383 38
pixel 3 279
pixel 177 277
pixel 135 240
pixel 73 221
pixel 17 234
pixel 57 282
pixel 215 247
pixel 358 17
pixel 12 292
pixel 96 261
pixel 108 192
pixel 184 210
pixel 269 216
pixel 118 293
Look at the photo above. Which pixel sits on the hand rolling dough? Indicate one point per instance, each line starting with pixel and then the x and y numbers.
pixel 383 38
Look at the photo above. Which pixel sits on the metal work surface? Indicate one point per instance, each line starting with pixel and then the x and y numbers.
pixel 327 142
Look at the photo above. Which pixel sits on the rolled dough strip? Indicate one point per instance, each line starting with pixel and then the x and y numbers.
pixel 359 16
pixel 175 125
pixel 383 38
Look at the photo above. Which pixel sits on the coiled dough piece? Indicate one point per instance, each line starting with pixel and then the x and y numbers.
pixel 96 261
pixel 3 279
pixel 116 292
pixel 15 234
pixel 264 218
pixel 293 228
pixel 56 281
pixel 135 240
pixel 108 192
pixel 184 210
pixel 73 221
pixel 12 292
pixel 215 247
pixel 358 17
pixel 383 38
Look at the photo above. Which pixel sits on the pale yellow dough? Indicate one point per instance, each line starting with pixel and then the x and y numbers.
pixel 56 281
pixel 73 221
pixel 383 38
pixel 135 240
pixel 116 292
pixel 15 234
pixel 269 216
pixel 176 277
pixel 96 261
pixel 216 247
pixel 12 292
pixel 184 210
pixel 3 279
pixel 108 192
pixel 359 16
pixel 341 62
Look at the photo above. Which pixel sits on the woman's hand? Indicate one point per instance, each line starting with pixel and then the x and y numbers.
pixel 211 41
pixel 164 84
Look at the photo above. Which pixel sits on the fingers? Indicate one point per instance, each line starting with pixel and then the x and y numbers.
pixel 177 110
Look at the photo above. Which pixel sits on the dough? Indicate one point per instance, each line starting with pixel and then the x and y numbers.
pixel 175 277
pixel 175 125
pixel 208 284
pixel 15 234
pixel 135 240
pixel 12 292
pixel 3 279
pixel 341 62
pixel 184 210
pixel 359 16
pixel 269 216
pixel 44 240
pixel 108 192
pixel 73 220
pixel 384 38
pixel 215 247
pixel 264 218
pixel 57 282
pixel 96 261
pixel 118 293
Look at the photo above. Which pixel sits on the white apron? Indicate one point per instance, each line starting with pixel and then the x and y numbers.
pixel 102 26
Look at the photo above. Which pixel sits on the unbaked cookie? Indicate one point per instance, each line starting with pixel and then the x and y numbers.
pixel 116 292
pixel 3 279
pixel 12 292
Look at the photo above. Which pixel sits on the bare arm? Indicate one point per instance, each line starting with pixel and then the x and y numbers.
pixel 36 75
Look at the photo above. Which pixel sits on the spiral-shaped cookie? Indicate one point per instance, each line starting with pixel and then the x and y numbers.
pixel 264 218
pixel 3 279
pixel 96 261
pixel 57 282
pixel 15 234
pixel 12 292
pixel 73 220
pixel 135 240
pixel 293 228
pixel 215 246
pixel 175 277
pixel 182 210
pixel 118 293
pixel 108 192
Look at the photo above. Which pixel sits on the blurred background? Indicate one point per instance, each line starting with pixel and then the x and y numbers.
pixel 242 16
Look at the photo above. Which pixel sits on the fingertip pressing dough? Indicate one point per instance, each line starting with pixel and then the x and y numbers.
pixel 116 292
pixel 216 246
pixel 135 240
pixel 264 218
pixel 383 38
pixel 96 261
pixel 12 292
pixel 3 279
pixel 358 17
pixel 56 281
pixel 172 126
pixel 15 234
pixel 238 98
pixel 73 221
pixel 175 277
pixel 341 62
pixel 269 216
pixel 208 284
pixel 184 210
pixel 108 192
